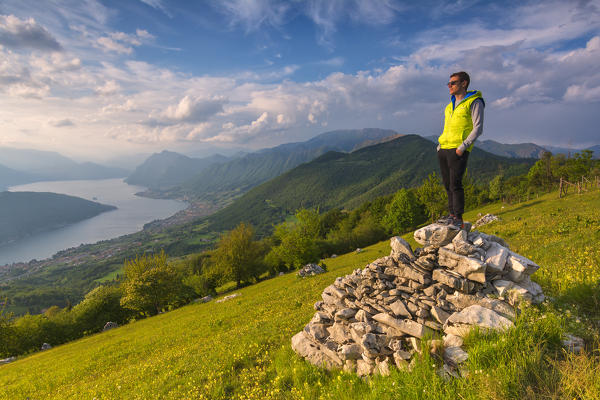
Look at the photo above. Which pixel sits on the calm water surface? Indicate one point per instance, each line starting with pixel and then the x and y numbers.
pixel 131 215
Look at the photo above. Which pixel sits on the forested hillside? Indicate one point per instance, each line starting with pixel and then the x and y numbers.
pixel 167 169
pixel 231 179
pixel 347 180
pixel 25 213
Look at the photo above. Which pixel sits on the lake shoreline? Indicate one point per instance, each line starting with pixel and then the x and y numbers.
pixel 132 215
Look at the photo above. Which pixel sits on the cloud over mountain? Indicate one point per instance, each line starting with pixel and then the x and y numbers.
pixel 26 33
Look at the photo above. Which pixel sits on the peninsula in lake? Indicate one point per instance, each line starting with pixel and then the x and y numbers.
pixel 26 213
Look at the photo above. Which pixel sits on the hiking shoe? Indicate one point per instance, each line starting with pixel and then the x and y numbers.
pixel 446 220
pixel 457 222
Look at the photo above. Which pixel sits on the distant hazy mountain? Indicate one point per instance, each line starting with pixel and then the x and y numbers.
pixel 48 165
pixel 167 169
pixel 596 150
pixel 237 176
pixel 569 151
pixel 518 150
pixel 25 213
pixel 10 177
pixel 346 180
pixel 128 162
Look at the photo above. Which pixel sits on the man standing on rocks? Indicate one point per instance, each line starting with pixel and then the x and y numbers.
pixel 463 123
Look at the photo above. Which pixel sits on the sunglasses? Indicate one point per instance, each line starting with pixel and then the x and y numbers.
pixel 452 83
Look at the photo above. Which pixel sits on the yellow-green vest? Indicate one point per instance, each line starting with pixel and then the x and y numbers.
pixel 458 123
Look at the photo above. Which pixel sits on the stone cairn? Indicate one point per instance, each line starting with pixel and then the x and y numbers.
pixel 486 219
pixel 377 317
pixel 310 270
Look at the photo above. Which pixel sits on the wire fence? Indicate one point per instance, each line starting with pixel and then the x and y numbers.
pixel 583 185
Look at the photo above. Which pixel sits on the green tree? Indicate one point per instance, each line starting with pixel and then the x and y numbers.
pixel 367 231
pixel 433 196
pixel 541 174
pixel 238 256
pixel 7 332
pixel 151 284
pixel 404 212
pixel 298 243
pixel 497 187
pixel 99 306
pixel 201 275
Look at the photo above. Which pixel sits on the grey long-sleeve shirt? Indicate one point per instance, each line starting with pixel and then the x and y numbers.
pixel 477 107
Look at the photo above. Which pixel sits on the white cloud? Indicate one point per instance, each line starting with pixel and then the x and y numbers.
pixel 254 14
pixel 34 91
pixel 55 63
pixel 159 5
pixel 529 26
pixel 109 88
pixel 144 34
pixel 517 67
pixel 191 109
pixel 581 93
pixel 120 42
pixel 108 44
pixel 26 33
pixel 335 62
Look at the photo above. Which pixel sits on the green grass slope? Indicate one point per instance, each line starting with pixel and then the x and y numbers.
pixel 240 349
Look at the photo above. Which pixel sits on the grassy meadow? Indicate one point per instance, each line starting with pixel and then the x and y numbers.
pixel 240 349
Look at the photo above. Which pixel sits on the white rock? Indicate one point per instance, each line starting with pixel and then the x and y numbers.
pixel 231 296
pixel 502 286
pixel 7 360
pixel 530 266
pixel 350 351
pixel 496 256
pixel 453 341
pixel 435 234
pixel 455 355
pixel 383 368
pixel 401 246
pixel 319 332
pixel 364 368
pixel 468 267
pixel 480 316
pixel 305 347
pixel 439 314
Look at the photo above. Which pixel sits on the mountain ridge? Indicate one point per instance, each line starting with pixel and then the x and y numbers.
pixel 39 165
pixel 239 175
pixel 348 179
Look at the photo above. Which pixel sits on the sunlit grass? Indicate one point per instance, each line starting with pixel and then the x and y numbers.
pixel 240 349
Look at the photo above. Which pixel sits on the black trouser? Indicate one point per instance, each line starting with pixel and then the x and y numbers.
pixel 453 168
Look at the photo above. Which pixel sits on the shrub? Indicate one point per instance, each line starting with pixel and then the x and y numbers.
pixel 151 284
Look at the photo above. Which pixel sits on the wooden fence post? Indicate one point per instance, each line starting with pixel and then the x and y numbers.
pixel 560 188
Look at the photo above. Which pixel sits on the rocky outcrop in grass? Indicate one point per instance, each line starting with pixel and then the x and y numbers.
pixel 378 316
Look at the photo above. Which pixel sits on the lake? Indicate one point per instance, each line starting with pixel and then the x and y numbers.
pixel 130 216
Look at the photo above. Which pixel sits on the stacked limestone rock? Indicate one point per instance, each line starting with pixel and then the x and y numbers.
pixel 377 316
pixel 310 270
pixel 486 219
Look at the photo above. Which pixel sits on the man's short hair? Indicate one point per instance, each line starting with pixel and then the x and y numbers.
pixel 463 76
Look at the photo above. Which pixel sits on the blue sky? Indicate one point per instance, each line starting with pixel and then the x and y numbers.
pixel 88 78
